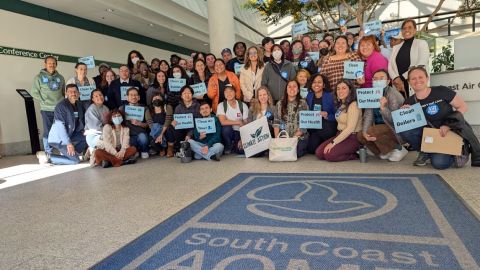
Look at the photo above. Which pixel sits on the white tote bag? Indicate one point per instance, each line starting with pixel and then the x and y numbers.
pixel 283 148
pixel 255 136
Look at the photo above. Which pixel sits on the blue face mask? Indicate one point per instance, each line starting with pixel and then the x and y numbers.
pixel 380 83
pixel 117 120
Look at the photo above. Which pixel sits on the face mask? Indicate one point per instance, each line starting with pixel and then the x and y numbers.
pixel 157 103
pixel 297 51
pixel 323 51
pixel 380 83
pixel 177 75
pixel 117 120
pixel 135 60
pixel 277 55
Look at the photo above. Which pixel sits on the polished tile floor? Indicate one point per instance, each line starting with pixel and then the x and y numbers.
pixel 72 217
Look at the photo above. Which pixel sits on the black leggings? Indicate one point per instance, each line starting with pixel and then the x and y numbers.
pixel 318 136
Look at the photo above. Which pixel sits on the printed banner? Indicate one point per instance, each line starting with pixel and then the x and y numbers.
pixel 176 84
pixel 123 91
pixel 299 28
pixel 310 119
pixel 255 136
pixel 134 112
pixel 372 27
pixel 199 89
pixel 369 97
pixel 184 120
pixel 352 69
pixel 87 60
pixel 206 125
pixel 409 118
pixel 85 92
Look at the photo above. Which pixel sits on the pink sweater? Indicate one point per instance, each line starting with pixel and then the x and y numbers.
pixel 374 62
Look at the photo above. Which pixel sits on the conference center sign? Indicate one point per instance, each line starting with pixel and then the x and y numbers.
pixel 41 55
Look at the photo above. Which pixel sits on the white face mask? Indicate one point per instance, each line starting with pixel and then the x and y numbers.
pixel 379 83
pixel 135 60
pixel 277 55
pixel 177 75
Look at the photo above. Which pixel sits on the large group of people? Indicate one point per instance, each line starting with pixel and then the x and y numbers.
pixel 135 114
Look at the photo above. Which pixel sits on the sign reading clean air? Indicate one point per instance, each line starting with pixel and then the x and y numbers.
pixel 41 55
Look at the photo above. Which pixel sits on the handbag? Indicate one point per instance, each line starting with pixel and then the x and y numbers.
pixel 283 148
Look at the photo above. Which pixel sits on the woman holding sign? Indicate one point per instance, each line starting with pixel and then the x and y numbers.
pixel 137 117
pixel 200 75
pixel 320 98
pixel 374 60
pixel 443 109
pixel 344 145
pixel 299 58
pixel 218 82
pixel 251 74
pixel 378 128
pixel 411 52
pixel 262 105
pixel 177 73
pixel 83 83
pixel 302 78
pixel 287 116
pixel 189 109
pixel 159 86
pixel 333 65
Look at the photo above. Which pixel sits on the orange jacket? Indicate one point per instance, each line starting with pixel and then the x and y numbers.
pixel 213 88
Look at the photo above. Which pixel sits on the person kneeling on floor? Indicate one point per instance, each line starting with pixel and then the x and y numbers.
pixel 207 145
pixel 66 133
pixel 113 148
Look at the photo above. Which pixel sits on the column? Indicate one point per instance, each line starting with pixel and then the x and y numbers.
pixel 220 26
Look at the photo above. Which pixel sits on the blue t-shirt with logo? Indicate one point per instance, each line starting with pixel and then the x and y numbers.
pixel 436 106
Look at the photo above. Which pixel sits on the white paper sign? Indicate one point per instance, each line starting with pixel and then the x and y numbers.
pixel 255 136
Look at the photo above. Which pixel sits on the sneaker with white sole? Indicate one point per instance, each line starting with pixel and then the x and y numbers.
pixel 386 156
pixel 422 159
pixel 145 155
pixel 43 157
pixel 397 155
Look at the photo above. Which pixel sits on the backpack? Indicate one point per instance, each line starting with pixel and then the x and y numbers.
pixel 240 105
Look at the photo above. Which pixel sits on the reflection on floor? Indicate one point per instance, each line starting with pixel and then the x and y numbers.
pixel 70 217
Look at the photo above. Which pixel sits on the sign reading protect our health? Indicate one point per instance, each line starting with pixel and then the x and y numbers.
pixel 408 118
pixel 134 112
pixel 199 89
pixel 299 28
pixel 206 125
pixel 310 119
pixel 87 60
pixel 372 27
pixel 184 120
pixel 85 92
pixel 352 70
pixel 176 84
pixel 123 92
pixel 369 97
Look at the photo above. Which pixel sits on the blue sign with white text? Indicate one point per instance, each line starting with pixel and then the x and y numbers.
pixel 206 124
pixel 299 28
pixel 408 118
pixel 372 27
pixel 184 120
pixel 124 90
pixel 175 85
pixel 199 89
pixel 369 97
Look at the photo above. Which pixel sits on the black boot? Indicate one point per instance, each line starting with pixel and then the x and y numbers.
pixel 106 164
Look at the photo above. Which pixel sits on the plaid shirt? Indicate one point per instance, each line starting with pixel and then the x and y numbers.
pixel 333 69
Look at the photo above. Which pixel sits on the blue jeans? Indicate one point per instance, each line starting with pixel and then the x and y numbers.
pixel 414 138
pixel 230 138
pixel 140 141
pixel 47 119
pixel 196 147
pixel 80 144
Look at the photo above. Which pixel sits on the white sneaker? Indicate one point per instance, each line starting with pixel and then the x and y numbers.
pixel 42 157
pixel 145 155
pixel 386 156
pixel 397 155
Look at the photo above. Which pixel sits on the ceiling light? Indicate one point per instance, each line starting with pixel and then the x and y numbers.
pixel 205 44
pixel 151 25
pixel 180 35
pixel 109 10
